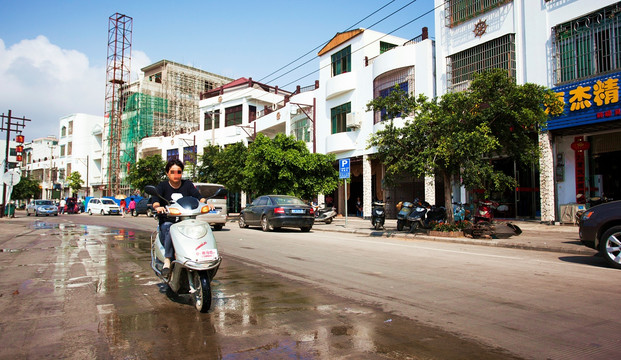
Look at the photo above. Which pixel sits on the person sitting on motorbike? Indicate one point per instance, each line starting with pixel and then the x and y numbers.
pixel 172 189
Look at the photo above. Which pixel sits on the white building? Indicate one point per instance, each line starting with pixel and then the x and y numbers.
pixel 567 46
pixel 80 148
pixel 231 113
pixel 355 67
pixel 40 163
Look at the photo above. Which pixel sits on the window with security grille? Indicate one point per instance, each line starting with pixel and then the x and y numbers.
pixel 385 84
pixel 495 54
pixel 588 46
pixel 339 118
pixel 233 115
pixel 459 11
pixel 341 61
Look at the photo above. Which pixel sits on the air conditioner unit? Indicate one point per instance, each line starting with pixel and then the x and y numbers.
pixel 351 122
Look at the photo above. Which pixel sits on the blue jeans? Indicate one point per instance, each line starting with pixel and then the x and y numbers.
pixel 169 251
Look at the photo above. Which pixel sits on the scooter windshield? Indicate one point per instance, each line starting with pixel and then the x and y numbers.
pixel 188 202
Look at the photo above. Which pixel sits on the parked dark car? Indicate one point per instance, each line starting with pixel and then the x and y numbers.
pixel 276 211
pixel 600 229
pixel 143 207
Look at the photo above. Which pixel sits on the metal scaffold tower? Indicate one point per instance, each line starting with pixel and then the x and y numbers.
pixel 117 75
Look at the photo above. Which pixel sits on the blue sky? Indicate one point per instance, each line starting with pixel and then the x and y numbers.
pixel 53 53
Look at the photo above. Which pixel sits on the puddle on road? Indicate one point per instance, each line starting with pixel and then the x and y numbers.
pixel 254 315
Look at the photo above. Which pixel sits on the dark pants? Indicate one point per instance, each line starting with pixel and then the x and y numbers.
pixel 169 251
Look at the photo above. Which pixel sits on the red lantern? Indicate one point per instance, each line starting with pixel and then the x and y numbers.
pixel 19 138
pixel 19 148
pixel 18 158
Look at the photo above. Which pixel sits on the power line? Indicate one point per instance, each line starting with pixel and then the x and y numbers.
pixel 322 45
pixel 396 29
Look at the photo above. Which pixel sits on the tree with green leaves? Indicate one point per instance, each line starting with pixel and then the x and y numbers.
pixel 460 133
pixel 284 165
pixel 147 171
pixel 206 170
pixel 229 164
pixel 26 189
pixel 74 180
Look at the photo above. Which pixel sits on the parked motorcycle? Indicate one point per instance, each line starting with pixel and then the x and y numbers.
pixel 424 215
pixel 406 208
pixel 484 225
pixel 196 255
pixel 378 214
pixel 325 213
pixel 461 212
pixel 484 211
pixel 594 201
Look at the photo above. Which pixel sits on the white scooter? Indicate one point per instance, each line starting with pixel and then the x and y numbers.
pixel 324 213
pixel 196 255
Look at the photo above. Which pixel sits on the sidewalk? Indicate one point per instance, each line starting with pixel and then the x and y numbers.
pixel 535 236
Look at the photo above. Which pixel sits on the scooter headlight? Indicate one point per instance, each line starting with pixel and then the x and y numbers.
pixel 193 231
pixel 420 209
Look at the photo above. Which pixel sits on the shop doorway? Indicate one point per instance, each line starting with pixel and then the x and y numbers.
pixel 521 202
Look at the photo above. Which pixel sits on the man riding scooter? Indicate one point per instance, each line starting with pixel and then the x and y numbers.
pixel 172 189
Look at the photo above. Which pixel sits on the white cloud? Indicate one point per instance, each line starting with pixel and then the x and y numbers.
pixel 139 60
pixel 43 82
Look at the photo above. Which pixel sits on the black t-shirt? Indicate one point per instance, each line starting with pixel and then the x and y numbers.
pixel 169 193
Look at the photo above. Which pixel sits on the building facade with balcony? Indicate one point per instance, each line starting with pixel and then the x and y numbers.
pixel 40 163
pixel 355 67
pixel 566 46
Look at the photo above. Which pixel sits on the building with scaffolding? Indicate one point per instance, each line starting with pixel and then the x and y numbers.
pixel 162 103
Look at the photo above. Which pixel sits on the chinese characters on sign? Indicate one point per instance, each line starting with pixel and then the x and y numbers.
pixel 602 93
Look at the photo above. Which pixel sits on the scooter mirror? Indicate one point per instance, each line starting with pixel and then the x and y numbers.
pixel 151 190
pixel 220 192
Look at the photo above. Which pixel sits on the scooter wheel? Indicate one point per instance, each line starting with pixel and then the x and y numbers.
pixel 202 295
pixel 399 225
pixel 378 226
pixel 329 221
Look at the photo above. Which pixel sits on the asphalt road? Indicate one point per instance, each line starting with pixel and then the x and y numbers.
pixel 533 304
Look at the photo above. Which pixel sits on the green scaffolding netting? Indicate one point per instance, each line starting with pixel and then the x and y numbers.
pixel 138 114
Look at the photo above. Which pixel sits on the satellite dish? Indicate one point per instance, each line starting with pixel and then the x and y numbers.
pixel 12 177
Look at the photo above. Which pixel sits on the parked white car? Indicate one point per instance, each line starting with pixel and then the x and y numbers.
pixel 103 206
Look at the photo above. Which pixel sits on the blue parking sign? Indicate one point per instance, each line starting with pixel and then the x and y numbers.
pixel 343 168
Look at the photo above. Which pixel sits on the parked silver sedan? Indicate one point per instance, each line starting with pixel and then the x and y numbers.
pixel 42 207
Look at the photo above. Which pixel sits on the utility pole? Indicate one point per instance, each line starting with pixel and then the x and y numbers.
pixel 12 124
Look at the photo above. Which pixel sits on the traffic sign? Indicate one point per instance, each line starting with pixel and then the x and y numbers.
pixel 12 177
pixel 344 169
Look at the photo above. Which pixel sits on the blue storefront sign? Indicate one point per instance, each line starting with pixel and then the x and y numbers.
pixel 588 102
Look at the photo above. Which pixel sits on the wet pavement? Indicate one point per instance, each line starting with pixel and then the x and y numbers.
pixel 87 292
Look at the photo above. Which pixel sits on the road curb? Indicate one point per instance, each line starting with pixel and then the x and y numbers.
pixel 509 243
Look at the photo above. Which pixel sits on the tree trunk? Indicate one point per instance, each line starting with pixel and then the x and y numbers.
pixel 448 199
